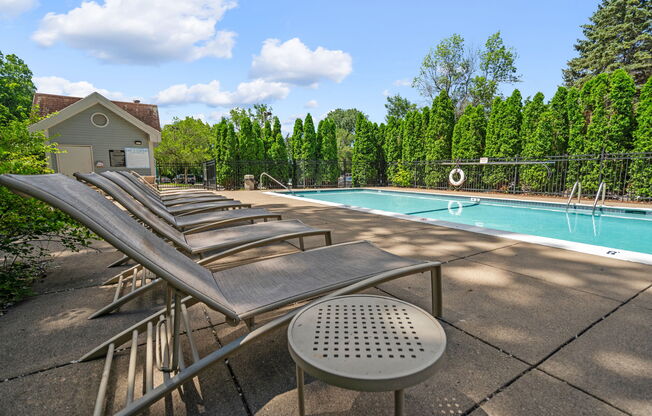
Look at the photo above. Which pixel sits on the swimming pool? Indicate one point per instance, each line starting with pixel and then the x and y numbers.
pixel 621 233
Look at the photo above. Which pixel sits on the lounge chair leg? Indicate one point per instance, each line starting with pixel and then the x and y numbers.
pixel 250 322
pixel 435 291
pixel 398 402
pixel 302 246
pixel 300 397
pixel 126 298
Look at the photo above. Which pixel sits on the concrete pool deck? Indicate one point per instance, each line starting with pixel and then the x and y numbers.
pixel 532 330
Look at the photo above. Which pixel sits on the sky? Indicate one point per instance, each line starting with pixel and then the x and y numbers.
pixel 201 58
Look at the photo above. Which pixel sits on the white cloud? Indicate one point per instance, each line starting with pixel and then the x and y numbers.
pixel 386 93
pixel 246 93
pixel 12 8
pixel 293 62
pixel 142 31
pixel 311 104
pixel 61 86
pixel 405 82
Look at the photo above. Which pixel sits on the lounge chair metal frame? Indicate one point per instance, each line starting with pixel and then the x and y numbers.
pixel 340 271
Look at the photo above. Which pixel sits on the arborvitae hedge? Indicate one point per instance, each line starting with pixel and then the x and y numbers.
pixel 469 134
pixel 641 171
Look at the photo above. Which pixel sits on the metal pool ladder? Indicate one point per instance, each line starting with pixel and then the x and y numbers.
pixel 602 188
pixel 274 179
pixel 576 187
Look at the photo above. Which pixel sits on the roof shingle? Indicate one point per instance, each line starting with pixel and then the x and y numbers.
pixel 51 103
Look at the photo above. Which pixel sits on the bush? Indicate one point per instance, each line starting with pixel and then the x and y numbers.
pixel 28 226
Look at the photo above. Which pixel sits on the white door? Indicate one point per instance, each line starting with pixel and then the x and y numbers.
pixel 76 159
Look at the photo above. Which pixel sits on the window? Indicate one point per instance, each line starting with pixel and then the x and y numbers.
pixel 99 120
pixel 117 158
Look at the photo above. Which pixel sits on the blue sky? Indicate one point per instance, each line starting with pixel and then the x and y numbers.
pixel 199 57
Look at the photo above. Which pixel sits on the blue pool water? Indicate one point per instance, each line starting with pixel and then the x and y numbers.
pixel 625 229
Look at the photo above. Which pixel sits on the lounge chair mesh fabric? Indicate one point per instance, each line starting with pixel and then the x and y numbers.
pixel 130 203
pixel 184 194
pixel 167 213
pixel 212 240
pixel 121 231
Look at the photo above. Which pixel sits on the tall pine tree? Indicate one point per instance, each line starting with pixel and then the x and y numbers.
pixel 438 136
pixel 330 169
pixel 618 36
pixel 364 158
pixel 309 149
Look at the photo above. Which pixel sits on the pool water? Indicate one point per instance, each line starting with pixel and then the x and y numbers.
pixel 624 229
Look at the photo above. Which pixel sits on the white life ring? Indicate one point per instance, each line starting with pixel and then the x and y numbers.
pixel 452 180
pixel 455 211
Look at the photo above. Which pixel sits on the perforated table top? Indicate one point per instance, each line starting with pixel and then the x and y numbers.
pixel 366 342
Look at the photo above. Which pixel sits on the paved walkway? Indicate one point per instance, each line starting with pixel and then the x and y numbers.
pixel 532 330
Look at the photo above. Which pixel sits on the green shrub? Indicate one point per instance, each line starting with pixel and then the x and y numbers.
pixel 27 226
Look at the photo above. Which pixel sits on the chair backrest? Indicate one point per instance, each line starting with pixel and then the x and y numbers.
pixel 123 232
pixel 138 210
pixel 147 200
pixel 138 183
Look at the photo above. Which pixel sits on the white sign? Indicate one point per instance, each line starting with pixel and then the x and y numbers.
pixel 137 157
pixel 484 160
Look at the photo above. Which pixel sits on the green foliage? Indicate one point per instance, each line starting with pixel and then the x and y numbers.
pixel 621 111
pixel 296 140
pixel 560 125
pixel 576 122
pixel 439 134
pixel 345 132
pixel 641 171
pixel 539 145
pixel 16 89
pixel 186 141
pixel 229 154
pixel 469 134
pixel 532 110
pixel 467 75
pixel 619 36
pixel 413 148
pixel 364 169
pixel 309 149
pixel 330 171
pixel 503 137
pixel 398 107
pixel 28 227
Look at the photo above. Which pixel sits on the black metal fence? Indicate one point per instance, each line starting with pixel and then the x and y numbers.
pixel 179 175
pixel 627 176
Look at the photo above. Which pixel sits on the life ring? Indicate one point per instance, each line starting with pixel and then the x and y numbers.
pixel 455 211
pixel 458 182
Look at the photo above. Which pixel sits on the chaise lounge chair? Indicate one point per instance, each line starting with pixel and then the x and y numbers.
pixel 189 223
pixel 157 206
pixel 240 293
pixel 176 198
pixel 216 243
pixel 168 193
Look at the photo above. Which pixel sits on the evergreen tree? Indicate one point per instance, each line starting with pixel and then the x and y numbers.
pixel 595 94
pixel 296 140
pixel 576 122
pixel 469 134
pixel 309 149
pixel 560 127
pixel 398 107
pixel 618 36
pixel 539 145
pixel 621 112
pixel 250 147
pixel 641 170
pixel 328 152
pixel 413 148
pixel 364 162
pixel 227 164
pixel 532 110
pixel 504 140
pixel 438 137
pixel 278 154
pixel 268 139
pixel 277 127
pixel 392 149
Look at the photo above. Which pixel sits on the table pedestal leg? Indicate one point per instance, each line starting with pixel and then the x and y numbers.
pixel 302 405
pixel 398 402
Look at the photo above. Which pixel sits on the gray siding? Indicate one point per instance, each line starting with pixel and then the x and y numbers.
pixel 117 135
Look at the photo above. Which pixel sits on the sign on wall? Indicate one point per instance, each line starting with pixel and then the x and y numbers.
pixel 137 157
pixel 116 158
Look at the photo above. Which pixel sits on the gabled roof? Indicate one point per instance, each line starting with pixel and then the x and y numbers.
pixel 143 116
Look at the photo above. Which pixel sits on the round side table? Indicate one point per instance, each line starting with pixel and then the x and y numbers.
pixel 366 343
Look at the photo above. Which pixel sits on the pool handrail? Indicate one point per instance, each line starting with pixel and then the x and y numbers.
pixel 577 186
pixel 260 181
pixel 602 188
